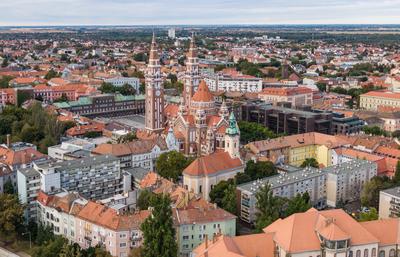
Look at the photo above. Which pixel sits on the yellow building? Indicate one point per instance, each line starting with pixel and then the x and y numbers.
pixel 295 149
pixel 373 99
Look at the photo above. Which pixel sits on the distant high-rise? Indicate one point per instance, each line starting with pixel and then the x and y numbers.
pixel 171 33
pixel 154 92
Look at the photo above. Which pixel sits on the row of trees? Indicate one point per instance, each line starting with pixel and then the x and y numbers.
pixel 126 89
pixel 251 131
pixel 34 125
pixel 224 193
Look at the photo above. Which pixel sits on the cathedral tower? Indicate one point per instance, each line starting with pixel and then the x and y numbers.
pixel 232 138
pixel 154 92
pixel 192 75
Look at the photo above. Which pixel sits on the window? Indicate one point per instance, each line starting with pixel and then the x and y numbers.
pixel 373 253
pixel 392 253
pixel 122 245
pixel 185 237
pixel 366 253
pixel 358 253
pixel 122 235
pixel 381 253
pixel 350 254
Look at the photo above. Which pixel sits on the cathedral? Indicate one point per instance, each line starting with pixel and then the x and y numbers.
pixel 198 125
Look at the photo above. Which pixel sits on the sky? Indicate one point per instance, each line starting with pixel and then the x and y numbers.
pixel 175 12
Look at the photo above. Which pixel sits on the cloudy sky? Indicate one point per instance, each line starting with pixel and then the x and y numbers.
pixel 169 12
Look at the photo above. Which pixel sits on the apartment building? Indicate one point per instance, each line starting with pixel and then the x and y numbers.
pixel 138 153
pixel 295 149
pixel 105 105
pixel 389 203
pixel 90 224
pixel 296 96
pixel 194 224
pixel 233 83
pixel 120 81
pixel 71 91
pixel 71 149
pixel 326 187
pixel 375 99
pixel 313 233
pixel 95 178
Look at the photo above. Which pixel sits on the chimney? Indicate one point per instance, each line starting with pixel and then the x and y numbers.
pixel 8 140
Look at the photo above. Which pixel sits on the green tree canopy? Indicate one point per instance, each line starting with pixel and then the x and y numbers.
pixel 145 200
pixel 310 162
pixel 158 230
pixel 11 215
pixel 370 191
pixel 171 164
pixel 251 131
pixel 269 207
pixel 372 214
pixel 300 203
pixel 52 74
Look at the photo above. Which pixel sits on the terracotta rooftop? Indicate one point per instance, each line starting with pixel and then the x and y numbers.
pixel 203 93
pixel 213 163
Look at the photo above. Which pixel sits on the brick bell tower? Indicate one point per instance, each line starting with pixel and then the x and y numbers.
pixel 192 75
pixel 154 92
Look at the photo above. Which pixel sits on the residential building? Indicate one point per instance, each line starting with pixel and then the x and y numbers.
pixel 7 176
pixel 375 99
pixel 70 91
pixel 96 177
pixel 313 233
pixel 138 153
pixel 296 96
pixel 389 203
pixel 233 82
pixel 120 81
pixel 105 105
pixel 195 223
pixel 72 149
pixel 326 187
pixel 90 224
pixel 8 96
pixel 295 149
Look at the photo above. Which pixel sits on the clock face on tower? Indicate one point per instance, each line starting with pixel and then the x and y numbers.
pixel 158 93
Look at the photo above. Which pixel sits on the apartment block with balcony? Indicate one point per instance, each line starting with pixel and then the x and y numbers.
pixel 389 203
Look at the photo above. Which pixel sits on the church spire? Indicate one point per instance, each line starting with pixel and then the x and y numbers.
pixel 233 127
pixel 192 48
pixel 153 49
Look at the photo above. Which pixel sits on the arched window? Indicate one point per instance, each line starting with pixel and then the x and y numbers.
pixel 350 254
pixel 381 253
pixel 392 253
pixel 358 253
pixel 366 253
pixel 373 254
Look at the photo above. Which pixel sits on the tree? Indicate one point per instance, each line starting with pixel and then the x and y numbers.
pixel 145 200
pixel 51 248
pixel 63 98
pixel 71 250
pixel 251 131
pixel 396 177
pixel 171 164
pixel 140 57
pixel 11 215
pixel 126 89
pixel 217 193
pixel 107 88
pixel 52 74
pixel 370 190
pixel 321 86
pixel 309 162
pixel 372 214
pixel 4 81
pixel 257 170
pixel 158 230
pixel 136 252
pixel 92 134
pixel 229 199
pixel 268 206
pixel 8 187
pixel 127 138
pixel 300 203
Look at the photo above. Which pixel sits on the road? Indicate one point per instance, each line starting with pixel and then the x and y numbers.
pixel 6 253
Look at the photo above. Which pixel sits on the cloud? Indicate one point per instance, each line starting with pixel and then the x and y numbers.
pixel 140 12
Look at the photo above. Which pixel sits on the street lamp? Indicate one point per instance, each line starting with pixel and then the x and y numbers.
pixel 30 238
